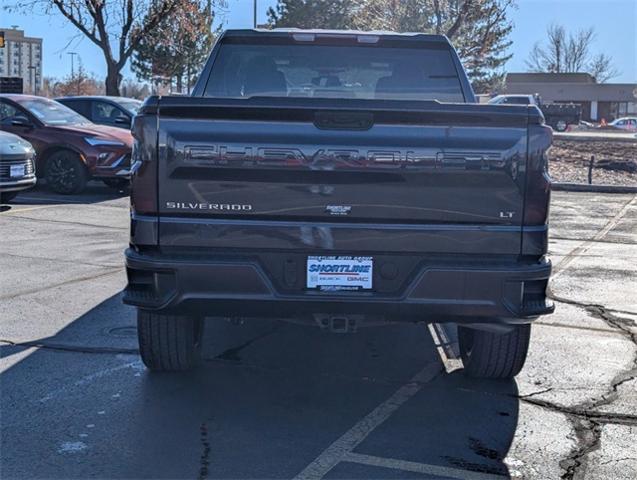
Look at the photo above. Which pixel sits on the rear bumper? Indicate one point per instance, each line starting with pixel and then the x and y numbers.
pixel 218 286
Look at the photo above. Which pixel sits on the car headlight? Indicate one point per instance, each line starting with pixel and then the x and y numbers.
pixel 97 142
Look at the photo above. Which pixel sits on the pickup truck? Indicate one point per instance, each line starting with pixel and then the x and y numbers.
pixel 341 178
pixel 558 115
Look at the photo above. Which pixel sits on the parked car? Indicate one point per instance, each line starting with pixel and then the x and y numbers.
pixel 17 166
pixel 338 178
pixel 103 110
pixel 558 115
pixel 625 123
pixel 70 149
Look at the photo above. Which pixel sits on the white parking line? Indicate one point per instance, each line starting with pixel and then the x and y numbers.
pixel 88 379
pixel 560 267
pixel 450 359
pixel 339 450
pixel 424 468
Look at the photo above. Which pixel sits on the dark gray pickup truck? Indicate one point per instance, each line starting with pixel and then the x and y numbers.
pixel 338 177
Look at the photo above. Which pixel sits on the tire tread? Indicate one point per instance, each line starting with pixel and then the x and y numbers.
pixel 167 342
pixel 494 355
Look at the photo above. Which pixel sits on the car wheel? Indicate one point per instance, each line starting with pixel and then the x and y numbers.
pixel 494 355
pixel 561 126
pixel 65 173
pixel 117 183
pixel 169 343
pixel 6 197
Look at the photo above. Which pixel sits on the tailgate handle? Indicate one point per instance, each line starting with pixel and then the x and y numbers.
pixel 343 120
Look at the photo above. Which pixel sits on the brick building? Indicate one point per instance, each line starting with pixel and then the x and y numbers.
pixel 598 100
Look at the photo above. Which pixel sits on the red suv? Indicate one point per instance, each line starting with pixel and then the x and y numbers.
pixel 70 149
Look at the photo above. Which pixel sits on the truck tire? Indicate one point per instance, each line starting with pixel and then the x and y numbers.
pixel 65 173
pixel 561 126
pixel 169 343
pixel 494 355
pixel 6 197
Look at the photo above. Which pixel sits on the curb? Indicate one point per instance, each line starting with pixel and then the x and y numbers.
pixel 596 137
pixel 583 187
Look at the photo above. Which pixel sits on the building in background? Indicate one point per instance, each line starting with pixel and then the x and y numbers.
pixel 598 100
pixel 22 57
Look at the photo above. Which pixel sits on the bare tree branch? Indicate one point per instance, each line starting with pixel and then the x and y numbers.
pixel 75 20
pixel 109 24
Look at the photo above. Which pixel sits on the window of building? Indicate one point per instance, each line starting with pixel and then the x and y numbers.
pixel 626 108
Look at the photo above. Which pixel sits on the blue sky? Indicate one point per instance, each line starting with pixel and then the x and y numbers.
pixel 615 23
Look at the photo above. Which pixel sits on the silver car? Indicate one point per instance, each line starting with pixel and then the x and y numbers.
pixel 17 166
pixel 625 123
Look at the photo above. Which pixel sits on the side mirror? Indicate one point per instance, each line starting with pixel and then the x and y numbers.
pixel 123 120
pixel 17 121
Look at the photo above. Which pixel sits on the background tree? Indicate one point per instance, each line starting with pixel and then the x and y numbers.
pixel 479 29
pixel 178 47
pixel 81 83
pixel 570 53
pixel 115 26
pixel 334 14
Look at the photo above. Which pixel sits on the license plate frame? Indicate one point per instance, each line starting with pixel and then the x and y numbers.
pixel 339 272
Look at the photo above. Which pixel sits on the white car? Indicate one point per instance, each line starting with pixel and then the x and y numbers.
pixel 625 123
pixel 17 166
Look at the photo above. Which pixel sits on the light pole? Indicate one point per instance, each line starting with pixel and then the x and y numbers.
pixel 255 13
pixel 73 67
pixel 34 84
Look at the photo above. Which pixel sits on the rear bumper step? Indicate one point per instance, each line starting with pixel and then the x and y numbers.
pixel 216 286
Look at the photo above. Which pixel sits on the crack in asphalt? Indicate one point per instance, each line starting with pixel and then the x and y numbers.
pixel 583 413
pixel 587 423
pixel 204 459
pixel 232 354
pixel 67 348
pixel 529 395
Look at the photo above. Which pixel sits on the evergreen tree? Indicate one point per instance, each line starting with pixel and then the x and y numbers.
pixel 327 14
pixel 178 47
pixel 479 29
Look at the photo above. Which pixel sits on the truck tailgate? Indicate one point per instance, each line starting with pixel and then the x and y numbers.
pixel 427 177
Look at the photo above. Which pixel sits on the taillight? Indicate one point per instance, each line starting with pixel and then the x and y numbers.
pixel 144 165
pixel 538 182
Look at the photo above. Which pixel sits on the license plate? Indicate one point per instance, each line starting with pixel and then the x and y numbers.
pixel 16 171
pixel 339 273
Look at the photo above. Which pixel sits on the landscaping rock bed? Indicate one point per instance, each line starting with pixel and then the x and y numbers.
pixel 615 162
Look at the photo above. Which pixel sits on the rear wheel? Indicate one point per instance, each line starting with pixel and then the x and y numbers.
pixel 6 197
pixel 65 173
pixel 494 355
pixel 169 343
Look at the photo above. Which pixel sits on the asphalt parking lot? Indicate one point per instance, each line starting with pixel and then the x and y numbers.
pixel 280 400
